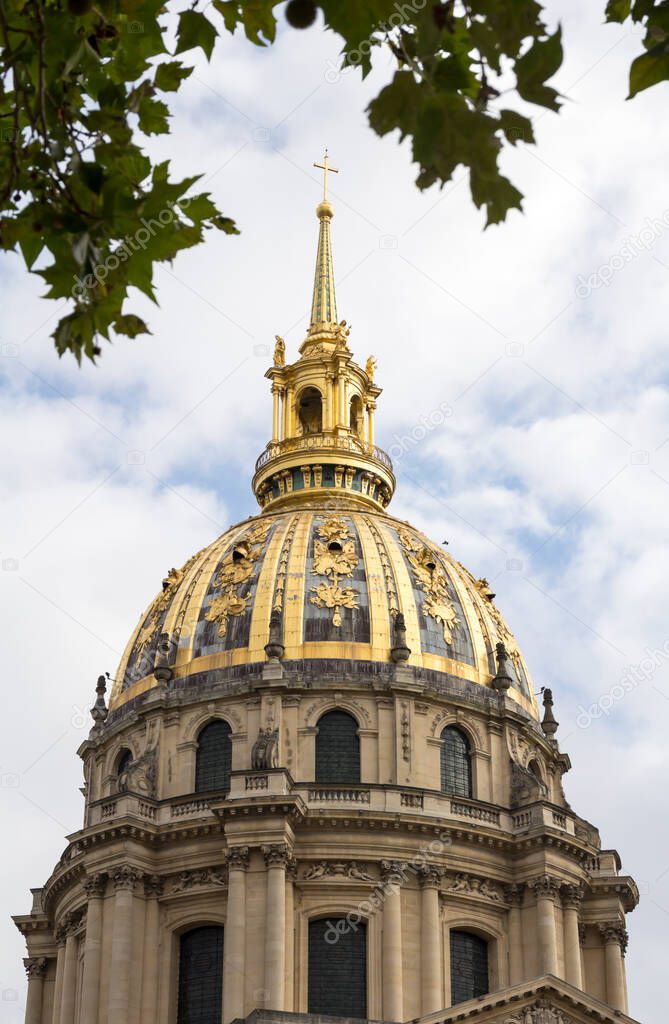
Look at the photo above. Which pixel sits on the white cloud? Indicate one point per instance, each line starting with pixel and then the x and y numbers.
pixel 534 434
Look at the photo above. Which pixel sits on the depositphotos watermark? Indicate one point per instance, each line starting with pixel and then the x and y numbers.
pixel 353 58
pixel 633 677
pixel 402 443
pixel 631 248
pixel 129 245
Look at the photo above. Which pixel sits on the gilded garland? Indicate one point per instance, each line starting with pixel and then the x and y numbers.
pixel 431 577
pixel 236 569
pixel 334 557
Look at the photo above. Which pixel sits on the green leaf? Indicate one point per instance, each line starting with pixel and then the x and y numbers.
pixel 130 325
pixel 516 127
pixel 618 10
pixel 533 69
pixel 649 69
pixel 153 117
pixel 195 30
pixel 497 194
pixel 257 17
pixel 169 76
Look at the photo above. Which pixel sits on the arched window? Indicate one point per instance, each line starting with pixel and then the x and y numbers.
pixel 201 976
pixel 456 768
pixel 469 967
pixel 310 411
pixel 214 757
pixel 337 749
pixel 338 967
pixel 357 422
pixel 534 769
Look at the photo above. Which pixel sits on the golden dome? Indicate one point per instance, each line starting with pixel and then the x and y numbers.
pixel 342 579
pixel 338 577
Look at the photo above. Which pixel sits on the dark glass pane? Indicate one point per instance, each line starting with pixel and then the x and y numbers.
pixel 338 969
pixel 456 771
pixel 469 967
pixel 214 757
pixel 201 977
pixel 337 749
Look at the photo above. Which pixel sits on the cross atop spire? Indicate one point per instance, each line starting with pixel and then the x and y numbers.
pixel 325 167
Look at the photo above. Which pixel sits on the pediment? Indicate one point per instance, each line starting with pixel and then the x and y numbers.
pixel 546 1000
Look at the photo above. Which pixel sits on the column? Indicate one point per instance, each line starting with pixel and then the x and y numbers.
pixel 392 874
pixel 514 897
pixel 35 969
pixel 615 943
pixel 331 416
pixel 276 859
pixel 341 403
pixel 58 984
pixel 124 880
pixel 430 941
pixel 572 897
pixel 370 424
pixel 94 887
pixel 275 412
pixel 546 889
pixel 289 417
pixel 153 887
pixel 234 956
pixel 291 875
pixel 69 995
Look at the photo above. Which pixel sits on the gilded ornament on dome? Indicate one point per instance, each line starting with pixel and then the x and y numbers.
pixel 370 367
pixel 431 577
pixel 237 568
pixel 161 603
pixel 503 632
pixel 335 556
pixel 279 351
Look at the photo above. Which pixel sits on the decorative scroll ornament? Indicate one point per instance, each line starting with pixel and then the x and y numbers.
pixel 265 751
pixel 432 579
pixel 503 631
pixel 160 605
pixel 334 556
pixel 237 568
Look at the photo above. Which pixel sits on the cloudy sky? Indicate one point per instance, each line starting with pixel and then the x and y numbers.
pixel 548 471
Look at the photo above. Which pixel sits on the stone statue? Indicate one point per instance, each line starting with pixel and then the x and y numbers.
pixel 279 351
pixel 141 775
pixel 370 367
pixel 265 751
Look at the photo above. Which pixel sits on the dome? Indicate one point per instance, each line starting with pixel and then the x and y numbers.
pixel 338 577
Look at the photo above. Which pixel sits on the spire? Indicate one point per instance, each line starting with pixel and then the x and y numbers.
pixel 324 302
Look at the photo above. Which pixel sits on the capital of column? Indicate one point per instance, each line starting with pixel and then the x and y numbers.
pixel 153 885
pixel 429 876
pixel 277 855
pixel 125 878
pixel 35 966
pixel 68 925
pixel 393 872
pixel 545 887
pixel 571 896
pixel 95 885
pixel 614 931
pixel 513 893
pixel 238 858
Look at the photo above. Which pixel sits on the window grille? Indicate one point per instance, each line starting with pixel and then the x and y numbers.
pixel 214 757
pixel 201 976
pixel 338 967
pixel 456 769
pixel 337 749
pixel 469 967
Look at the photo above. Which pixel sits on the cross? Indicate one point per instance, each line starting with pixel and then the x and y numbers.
pixel 325 167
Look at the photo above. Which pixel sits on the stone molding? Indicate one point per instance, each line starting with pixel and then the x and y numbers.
pixel 343 869
pixel 125 878
pixel 393 872
pixel 614 931
pixel 95 885
pixel 513 894
pixel 35 966
pixel 472 885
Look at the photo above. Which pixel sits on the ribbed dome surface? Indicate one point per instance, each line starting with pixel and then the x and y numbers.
pixel 337 577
